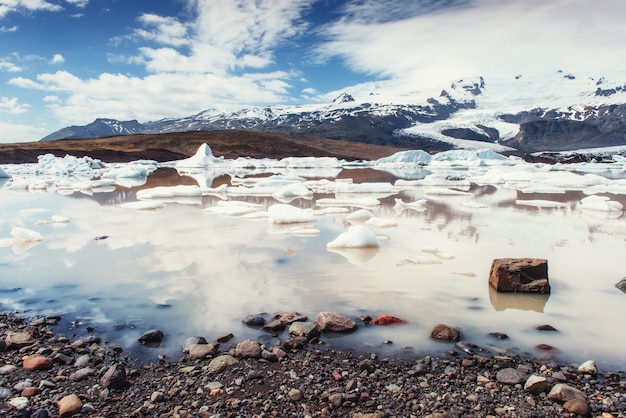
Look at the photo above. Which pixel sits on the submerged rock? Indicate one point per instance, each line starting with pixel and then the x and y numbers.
pixel 152 338
pixel 445 333
pixel 621 285
pixel 519 275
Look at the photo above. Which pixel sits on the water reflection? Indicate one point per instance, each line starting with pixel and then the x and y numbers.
pixel 521 301
pixel 191 272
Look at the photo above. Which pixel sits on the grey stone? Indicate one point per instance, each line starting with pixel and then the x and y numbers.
pixel 308 330
pixel 536 384
pixel 201 351
pixel 151 338
pixel 588 367
pixel 191 341
pixel 81 374
pixel 334 322
pixel 510 376
pixel 114 378
pixel 221 363
pixel 248 349
pixel 621 285
pixel 563 392
pixel 17 339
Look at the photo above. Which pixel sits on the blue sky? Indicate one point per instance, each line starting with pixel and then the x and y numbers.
pixel 67 62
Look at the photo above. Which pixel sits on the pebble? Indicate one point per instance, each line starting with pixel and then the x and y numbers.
pixel 69 405
pixel 37 362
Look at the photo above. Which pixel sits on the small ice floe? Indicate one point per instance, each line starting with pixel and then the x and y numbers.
pixel 130 170
pixel 55 219
pixel 419 259
pixel 355 237
pixel 262 214
pixel 304 232
pixel 266 186
pixel 443 181
pixel 360 215
pixel 418 205
pixel 169 192
pixel 286 214
pixel 600 204
pixel 402 158
pixel 233 208
pixel 143 205
pixel 474 205
pixel 24 234
pixel 294 190
pixel 381 222
pixel 378 188
pixel 310 162
pixel 444 191
pixel 434 251
pixel 330 211
pixel 538 203
pixel 362 202
pixel 201 159
pixel 4 174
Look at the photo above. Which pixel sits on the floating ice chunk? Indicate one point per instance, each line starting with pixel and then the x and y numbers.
pixel 474 205
pixel 221 189
pixel 143 205
pixel 256 215
pixel 469 155
pixel 305 232
pixel 286 214
pixel 293 190
pixel 49 164
pixel 356 256
pixel 541 203
pixel 202 158
pixel 168 192
pixel 4 174
pixel 330 211
pixel 237 209
pixel 346 201
pixel 444 191
pixel 439 180
pixel 361 215
pixel 311 162
pixel 24 234
pixel 55 219
pixel 129 171
pixel 355 237
pixel 381 223
pixel 600 203
pixel 418 205
pixel 417 157
pixel 341 187
pixel 420 259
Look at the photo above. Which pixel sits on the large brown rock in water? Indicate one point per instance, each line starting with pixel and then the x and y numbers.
pixel 528 275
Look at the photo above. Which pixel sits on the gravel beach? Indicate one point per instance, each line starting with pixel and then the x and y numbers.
pixel 46 375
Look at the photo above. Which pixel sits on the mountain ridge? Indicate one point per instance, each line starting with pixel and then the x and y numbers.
pixel 565 113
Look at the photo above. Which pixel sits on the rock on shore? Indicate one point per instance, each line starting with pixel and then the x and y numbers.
pixel 294 378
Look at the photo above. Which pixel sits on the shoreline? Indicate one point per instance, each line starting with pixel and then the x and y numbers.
pixel 86 376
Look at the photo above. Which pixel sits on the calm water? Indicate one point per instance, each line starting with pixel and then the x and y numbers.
pixel 189 273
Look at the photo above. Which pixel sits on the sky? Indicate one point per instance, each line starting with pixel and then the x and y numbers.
pixel 68 62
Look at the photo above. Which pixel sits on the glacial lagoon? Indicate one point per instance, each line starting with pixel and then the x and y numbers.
pixel 192 249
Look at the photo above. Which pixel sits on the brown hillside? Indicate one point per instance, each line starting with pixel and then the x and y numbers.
pixel 174 146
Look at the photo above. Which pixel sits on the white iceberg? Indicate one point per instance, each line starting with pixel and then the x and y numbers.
pixel 601 204
pixel 417 157
pixel 355 237
pixel 360 215
pixel 169 192
pixel 26 235
pixel 286 214
pixel 418 205
pixel 4 174
pixel 539 203
pixel 201 159
pixel 143 205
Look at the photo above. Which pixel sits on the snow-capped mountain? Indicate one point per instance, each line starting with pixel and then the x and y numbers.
pixel 561 111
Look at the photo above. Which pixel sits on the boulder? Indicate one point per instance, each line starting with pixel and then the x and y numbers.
pixel 17 339
pixel 510 376
pixel 248 349
pixel 445 333
pixel 308 330
pixel 191 341
pixel 114 378
pixel 69 405
pixel 562 392
pixel 151 338
pixel 588 367
pixel 282 319
pixel 334 322
pixel 536 384
pixel 528 275
pixel 37 362
pixel 201 351
pixel 578 407
pixel 221 363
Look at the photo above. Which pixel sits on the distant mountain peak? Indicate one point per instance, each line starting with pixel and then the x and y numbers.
pixel 343 98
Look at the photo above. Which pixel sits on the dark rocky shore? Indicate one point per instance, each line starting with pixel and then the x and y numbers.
pixel 45 375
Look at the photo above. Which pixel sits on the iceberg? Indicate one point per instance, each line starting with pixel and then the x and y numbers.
pixel 286 214
pixel 201 159
pixel 355 237
pixel 601 204
pixel 4 174
pixel 416 157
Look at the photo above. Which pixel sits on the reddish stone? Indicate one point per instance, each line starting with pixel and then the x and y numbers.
pixel 36 362
pixel 445 333
pixel 30 391
pixel 386 319
pixel 336 375
pixel 529 275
